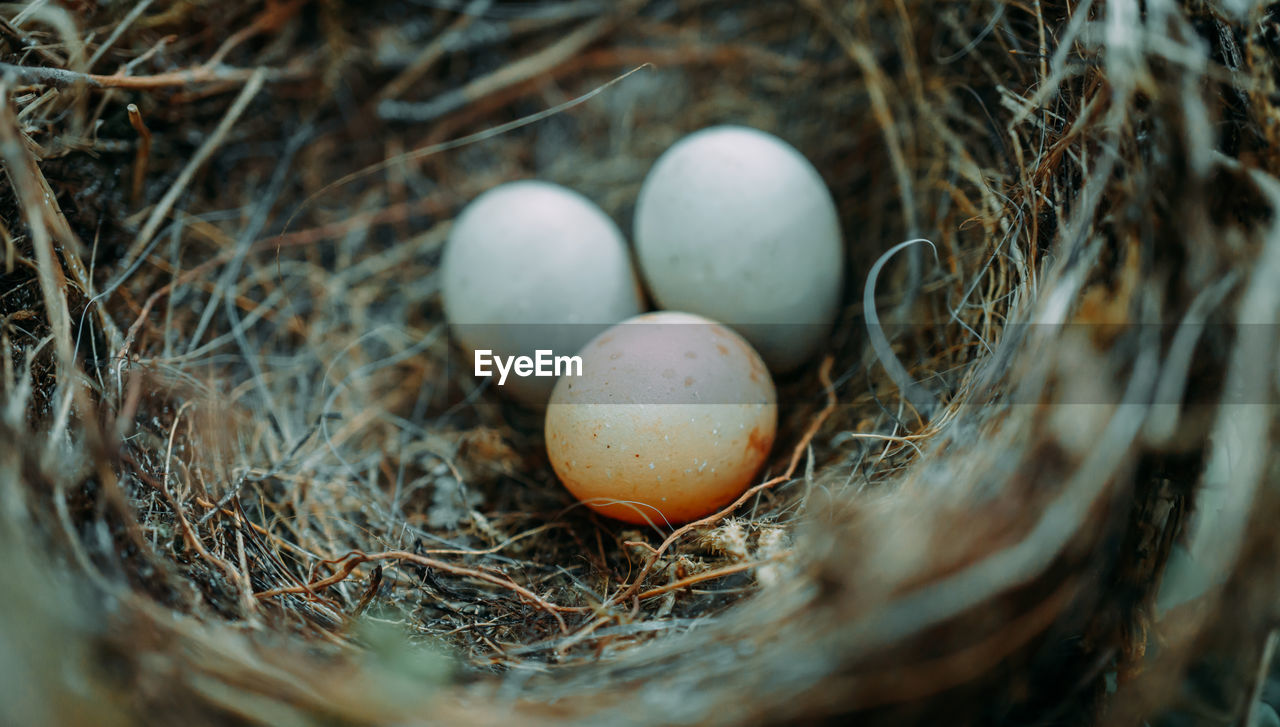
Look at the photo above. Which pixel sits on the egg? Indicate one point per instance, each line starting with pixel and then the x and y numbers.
pixel 531 265
pixel 734 224
pixel 672 417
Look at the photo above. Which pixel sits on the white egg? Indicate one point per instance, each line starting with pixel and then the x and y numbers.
pixel 531 265
pixel 736 225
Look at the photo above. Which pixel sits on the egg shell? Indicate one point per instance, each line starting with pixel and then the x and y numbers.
pixel 734 224
pixel 672 418
pixel 532 265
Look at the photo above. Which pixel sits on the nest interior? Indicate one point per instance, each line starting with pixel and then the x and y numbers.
pixel 243 478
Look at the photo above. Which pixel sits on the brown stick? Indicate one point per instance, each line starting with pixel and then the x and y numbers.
pixel 143 156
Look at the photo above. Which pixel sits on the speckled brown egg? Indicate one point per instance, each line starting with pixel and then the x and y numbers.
pixel 672 417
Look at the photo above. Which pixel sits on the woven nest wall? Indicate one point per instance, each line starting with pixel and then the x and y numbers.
pixel 243 480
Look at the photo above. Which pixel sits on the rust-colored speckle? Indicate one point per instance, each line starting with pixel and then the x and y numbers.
pixel 688 381
pixel 754 376
pixel 722 349
pixel 690 354
pixel 604 341
pixel 757 443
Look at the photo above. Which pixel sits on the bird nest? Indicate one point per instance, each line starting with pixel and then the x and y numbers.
pixel 243 480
